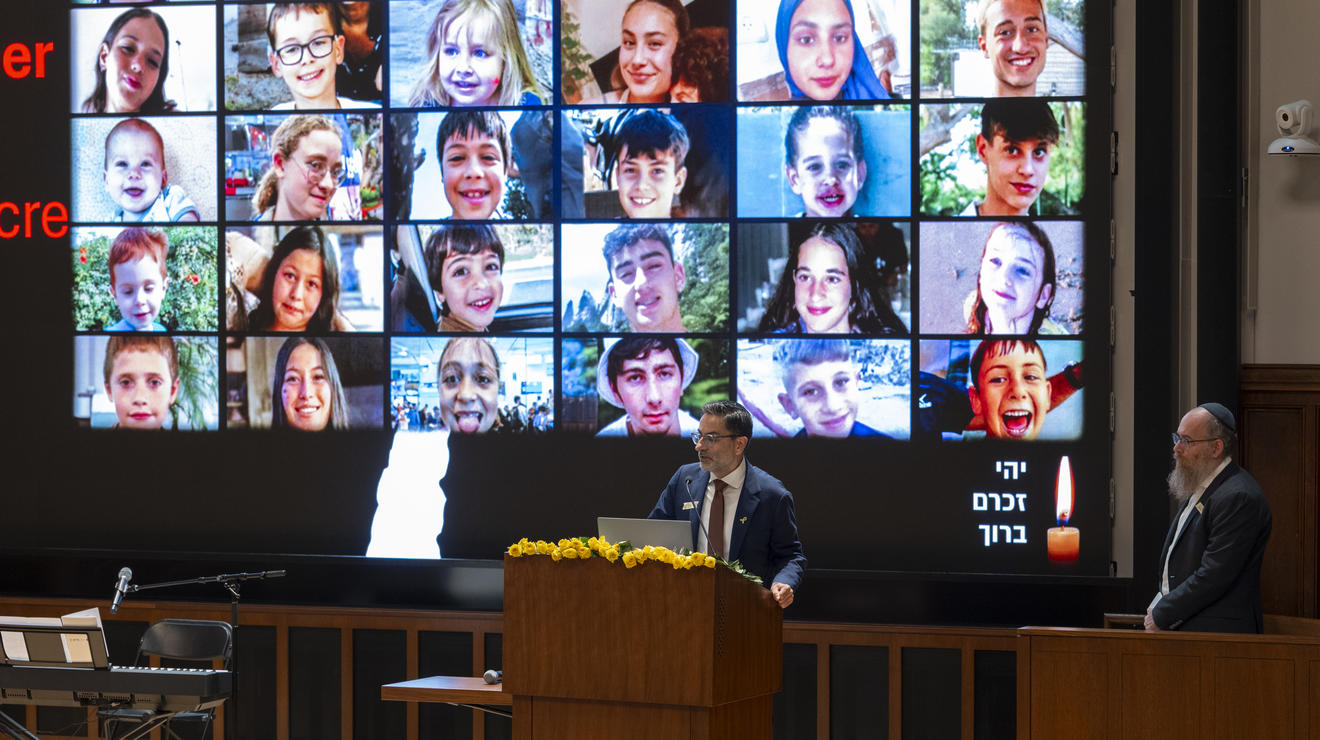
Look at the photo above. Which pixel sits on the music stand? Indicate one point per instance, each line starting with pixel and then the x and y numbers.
pixel 46 645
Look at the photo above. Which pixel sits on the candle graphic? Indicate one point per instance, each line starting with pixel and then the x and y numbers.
pixel 1063 541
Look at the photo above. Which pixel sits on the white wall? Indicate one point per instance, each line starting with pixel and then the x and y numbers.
pixel 1283 230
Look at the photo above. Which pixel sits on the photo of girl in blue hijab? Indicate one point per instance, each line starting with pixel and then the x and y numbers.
pixel 822 57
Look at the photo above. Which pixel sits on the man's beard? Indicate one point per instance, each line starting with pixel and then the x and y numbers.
pixel 1185 477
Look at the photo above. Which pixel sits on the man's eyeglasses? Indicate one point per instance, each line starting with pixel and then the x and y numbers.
pixel 316 170
pixel 710 438
pixel 318 47
pixel 1178 439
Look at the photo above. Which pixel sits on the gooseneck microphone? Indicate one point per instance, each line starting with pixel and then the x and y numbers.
pixel 688 484
pixel 125 575
pixel 493 676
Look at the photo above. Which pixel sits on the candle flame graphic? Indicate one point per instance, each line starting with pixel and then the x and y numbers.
pixel 1063 492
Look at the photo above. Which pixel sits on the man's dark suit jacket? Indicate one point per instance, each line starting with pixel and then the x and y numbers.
pixel 1214 571
pixel 765 537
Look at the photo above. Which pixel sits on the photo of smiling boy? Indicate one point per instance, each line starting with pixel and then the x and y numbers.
pixel 828 388
pixel 1013 36
pixel 306 49
pixel 1004 49
pixel 821 387
pixel 645 279
pixel 1010 389
pixel 474 159
pixel 465 266
pixel 1016 140
pixel 649 174
pixel 1010 157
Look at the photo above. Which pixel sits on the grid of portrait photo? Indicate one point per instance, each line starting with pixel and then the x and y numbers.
pixel 859 218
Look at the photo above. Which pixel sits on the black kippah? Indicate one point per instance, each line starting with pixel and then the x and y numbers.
pixel 1220 412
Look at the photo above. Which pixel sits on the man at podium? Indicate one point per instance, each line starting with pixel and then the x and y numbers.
pixel 753 522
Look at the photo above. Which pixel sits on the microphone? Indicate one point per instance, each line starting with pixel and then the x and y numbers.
pixel 125 575
pixel 493 676
pixel 688 484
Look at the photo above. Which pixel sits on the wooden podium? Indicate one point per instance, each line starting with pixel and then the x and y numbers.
pixel 594 649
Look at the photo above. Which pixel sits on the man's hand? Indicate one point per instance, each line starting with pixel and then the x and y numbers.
pixel 1149 622
pixel 783 594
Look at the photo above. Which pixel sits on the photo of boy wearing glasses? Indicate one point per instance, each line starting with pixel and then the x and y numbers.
pixel 306 49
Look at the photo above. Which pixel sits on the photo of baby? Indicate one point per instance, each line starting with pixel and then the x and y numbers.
pixel 123 171
pixel 837 162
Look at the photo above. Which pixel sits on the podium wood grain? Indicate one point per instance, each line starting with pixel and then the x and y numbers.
pixel 1123 684
pixel 650 651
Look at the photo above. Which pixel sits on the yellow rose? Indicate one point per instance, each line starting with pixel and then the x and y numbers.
pixel 571 553
pixel 640 555
pixel 524 543
pixel 629 559
pixel 515 551
pixel 593 543
pixel 612 554
pixel 710 561
pixel 556 554
pixel 583 551
pixel 648 552
pixel 542 547
pixel 563 544
pixel 697 558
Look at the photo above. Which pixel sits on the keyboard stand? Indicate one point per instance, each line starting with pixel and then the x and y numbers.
pixel 11 727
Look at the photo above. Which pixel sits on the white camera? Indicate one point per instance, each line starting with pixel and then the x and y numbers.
pixel 1294 119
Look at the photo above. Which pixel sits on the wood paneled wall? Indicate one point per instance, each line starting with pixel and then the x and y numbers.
pixel 1279 440
pixel 314 673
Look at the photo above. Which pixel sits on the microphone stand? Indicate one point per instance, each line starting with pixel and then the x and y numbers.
pixel 232 583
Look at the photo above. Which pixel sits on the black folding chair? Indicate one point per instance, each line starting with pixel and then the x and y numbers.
pixel 188 640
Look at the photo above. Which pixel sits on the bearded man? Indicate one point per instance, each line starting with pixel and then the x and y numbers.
pixel 1210 565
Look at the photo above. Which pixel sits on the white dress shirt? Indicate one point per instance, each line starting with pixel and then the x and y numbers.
pixel 734 481
pixel 1182 522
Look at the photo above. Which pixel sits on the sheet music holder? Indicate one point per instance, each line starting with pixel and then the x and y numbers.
pixel 74 640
